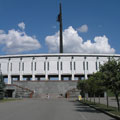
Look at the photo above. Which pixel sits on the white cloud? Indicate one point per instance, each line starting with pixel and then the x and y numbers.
pixel 21 25
pixel 83 28
pixel 73 43
pixel 1 31
pixel 16 41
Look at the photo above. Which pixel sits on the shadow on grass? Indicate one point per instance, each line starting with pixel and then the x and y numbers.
pixel 103 107
pixel 80 107
pixel 84 107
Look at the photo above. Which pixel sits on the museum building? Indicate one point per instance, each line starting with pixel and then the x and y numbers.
pixel 51 67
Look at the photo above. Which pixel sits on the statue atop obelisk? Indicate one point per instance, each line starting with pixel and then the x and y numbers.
pixel 61 36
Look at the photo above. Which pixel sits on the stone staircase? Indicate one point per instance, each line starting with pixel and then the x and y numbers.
pixel 42 88
pixel 72 93
pixel 20 92
pixel 48 96
pixel 23 92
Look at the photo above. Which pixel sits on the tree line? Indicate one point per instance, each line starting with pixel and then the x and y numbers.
pixel 2 87
pixel 106 79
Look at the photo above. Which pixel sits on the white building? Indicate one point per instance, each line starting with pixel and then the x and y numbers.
pixel 51 66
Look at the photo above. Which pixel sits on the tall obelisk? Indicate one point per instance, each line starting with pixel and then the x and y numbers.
pixel 60 21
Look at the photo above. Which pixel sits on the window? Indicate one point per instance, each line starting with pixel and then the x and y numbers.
pixel 19 66
pixel 48 65
pixel 31 66
pixel 96 66
pixel 35 66
pixel 44 65
pixel 109 58
pixel 87 65
pixel 22 66
pixel 83 65
pixel 57 65
pixel 74 66
pixel 70 65
pixel 8 67
pixel 61 65
pixel 11 67
pixel 99 64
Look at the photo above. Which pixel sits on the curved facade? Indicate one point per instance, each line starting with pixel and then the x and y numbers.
pixel 44 67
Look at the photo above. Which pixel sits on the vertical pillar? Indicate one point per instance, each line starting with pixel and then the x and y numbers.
pixel 9 72
pixel 86 74
pixel 73 71
pixel 46 68
pixel 33 69
pixel 21 69
pixel 9 79
pixel 21 77
pixel 59 68
pixel 85 71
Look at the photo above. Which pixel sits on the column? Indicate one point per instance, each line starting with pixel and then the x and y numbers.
pixel 9 72
pixel 86 74
pixel 59 68
pixel 33 69
pixel 21 77
pixel 46 68
pixel 73 70
pixel 21 69
pixel 85 70
pixel 9 79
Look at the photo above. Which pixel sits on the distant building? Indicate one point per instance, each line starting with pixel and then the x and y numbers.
pixel 51 67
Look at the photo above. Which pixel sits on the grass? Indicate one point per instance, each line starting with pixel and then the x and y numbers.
pixel 103 107
pixel 9 99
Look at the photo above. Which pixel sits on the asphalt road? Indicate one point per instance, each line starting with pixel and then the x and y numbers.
pixel 49 109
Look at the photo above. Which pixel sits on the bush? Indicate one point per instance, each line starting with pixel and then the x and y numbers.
pixel 2 86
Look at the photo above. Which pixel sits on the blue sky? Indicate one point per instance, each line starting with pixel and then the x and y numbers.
pixel 98 19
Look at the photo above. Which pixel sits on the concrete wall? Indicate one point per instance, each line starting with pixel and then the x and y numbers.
pixel 48 87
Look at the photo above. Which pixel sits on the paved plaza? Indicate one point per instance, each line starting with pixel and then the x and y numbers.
pixel 49 109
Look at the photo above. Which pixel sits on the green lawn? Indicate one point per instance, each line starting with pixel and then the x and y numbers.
pixel 8 99
pixel 110 109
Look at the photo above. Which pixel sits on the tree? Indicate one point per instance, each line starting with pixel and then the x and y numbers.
pixel 92 86
pixel 81 86
pixel 104 69
pixel 111 76
pixel 2 86
pixel 99 84
pixel 108 78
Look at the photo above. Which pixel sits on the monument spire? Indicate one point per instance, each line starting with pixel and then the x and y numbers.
pixel 60 21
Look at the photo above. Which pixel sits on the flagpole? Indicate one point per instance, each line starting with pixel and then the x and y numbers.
pixel 61 33
pixel 59 19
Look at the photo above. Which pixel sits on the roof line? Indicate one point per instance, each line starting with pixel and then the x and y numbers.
pixel 56 55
